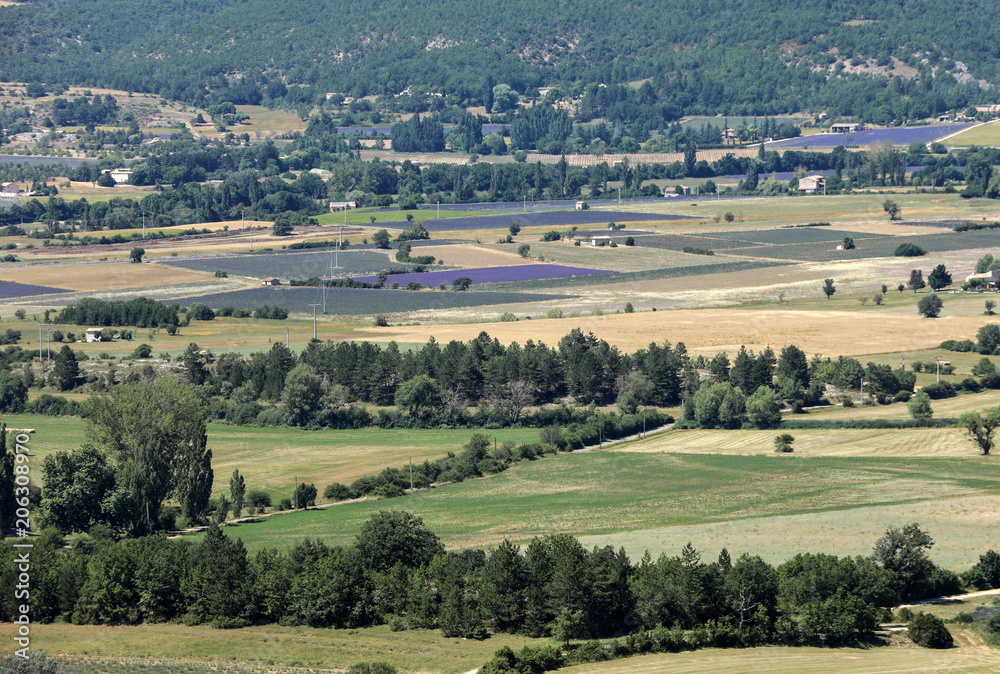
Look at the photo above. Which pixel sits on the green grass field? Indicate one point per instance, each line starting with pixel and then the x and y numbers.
pixel 606 496
pixel 272 458
pixel 987 135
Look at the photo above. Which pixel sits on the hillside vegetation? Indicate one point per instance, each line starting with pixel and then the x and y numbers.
pixel 738 57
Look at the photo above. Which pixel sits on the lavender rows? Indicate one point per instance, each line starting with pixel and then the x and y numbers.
pixel 528 272
pixel 900 136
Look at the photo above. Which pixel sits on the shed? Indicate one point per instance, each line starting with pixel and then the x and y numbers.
pixel 271 282
pixel 600 240
pixel 92 334
pixel 581 205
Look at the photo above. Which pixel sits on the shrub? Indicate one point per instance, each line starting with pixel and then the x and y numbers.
pixel 929 631
pixel 507 317
pixel 551 236
pixel 909 250
pixel 381 321
pixel 372 668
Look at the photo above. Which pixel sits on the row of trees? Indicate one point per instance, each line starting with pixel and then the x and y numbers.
pixel 398 572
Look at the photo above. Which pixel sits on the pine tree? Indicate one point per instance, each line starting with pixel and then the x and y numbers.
pixel 66 369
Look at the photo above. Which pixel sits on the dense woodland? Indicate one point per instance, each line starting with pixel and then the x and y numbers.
pixel 700 58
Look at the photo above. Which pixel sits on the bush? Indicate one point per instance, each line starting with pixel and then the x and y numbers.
pixel 909 250
pixel 551 236
pixel 337 492
pixel 929 631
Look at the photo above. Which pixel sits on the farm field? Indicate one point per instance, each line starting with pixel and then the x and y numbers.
pixel 295 264
pixel 10 289
pixel 841 330
pixel 982 135
pixel 253 650
pixel 271 458
pixel 522 272
pixel 74 276
pixel 653 500
pixel 547 219
pixel 841 210
pixel 636 258
pixel 897 136
pixel 970 656
pixel 361 302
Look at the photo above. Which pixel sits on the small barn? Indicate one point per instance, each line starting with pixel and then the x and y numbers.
pixel 600 240
pixel 271 282
pixel 92 334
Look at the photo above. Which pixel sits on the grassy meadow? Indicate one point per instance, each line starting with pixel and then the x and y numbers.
pixel 271 458
pixel 636 499
pixel 190 650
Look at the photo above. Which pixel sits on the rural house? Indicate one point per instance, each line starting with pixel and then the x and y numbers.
pixel 121 175
pixel 271 282
pixel 811 183
pixel 600 240
pixel 989 277
pixel 92 334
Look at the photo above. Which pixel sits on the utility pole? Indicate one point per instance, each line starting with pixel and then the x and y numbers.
pixel 938 359
pixel 144 225
pixel 286 335
pixel 411 473
pixel 314 319
pixel 251 238
pixel 48 341
pixel 295 492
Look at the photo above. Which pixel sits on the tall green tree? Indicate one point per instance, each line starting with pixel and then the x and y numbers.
pixel 144 428
pixel 66 370
pixel 194 365
pixel 8 504
pixel 237 491
pixel 193 476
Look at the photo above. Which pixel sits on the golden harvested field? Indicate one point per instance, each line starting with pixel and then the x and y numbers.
pixel 475 256
pixel 622 258
pixel 948 407
pixel 958 523
pixel 904 443
pixel 970 656
pixel 97 276
pixel 708 331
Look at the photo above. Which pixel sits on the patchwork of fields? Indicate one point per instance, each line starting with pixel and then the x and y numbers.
pixel 361 302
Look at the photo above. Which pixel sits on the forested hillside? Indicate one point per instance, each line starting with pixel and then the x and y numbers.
pixel 704 56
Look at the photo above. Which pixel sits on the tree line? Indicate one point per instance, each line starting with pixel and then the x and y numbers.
pixel 397 572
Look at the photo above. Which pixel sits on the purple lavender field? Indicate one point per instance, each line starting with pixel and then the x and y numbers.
pixel 528 272
pixel 10 289
pixel 900 136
